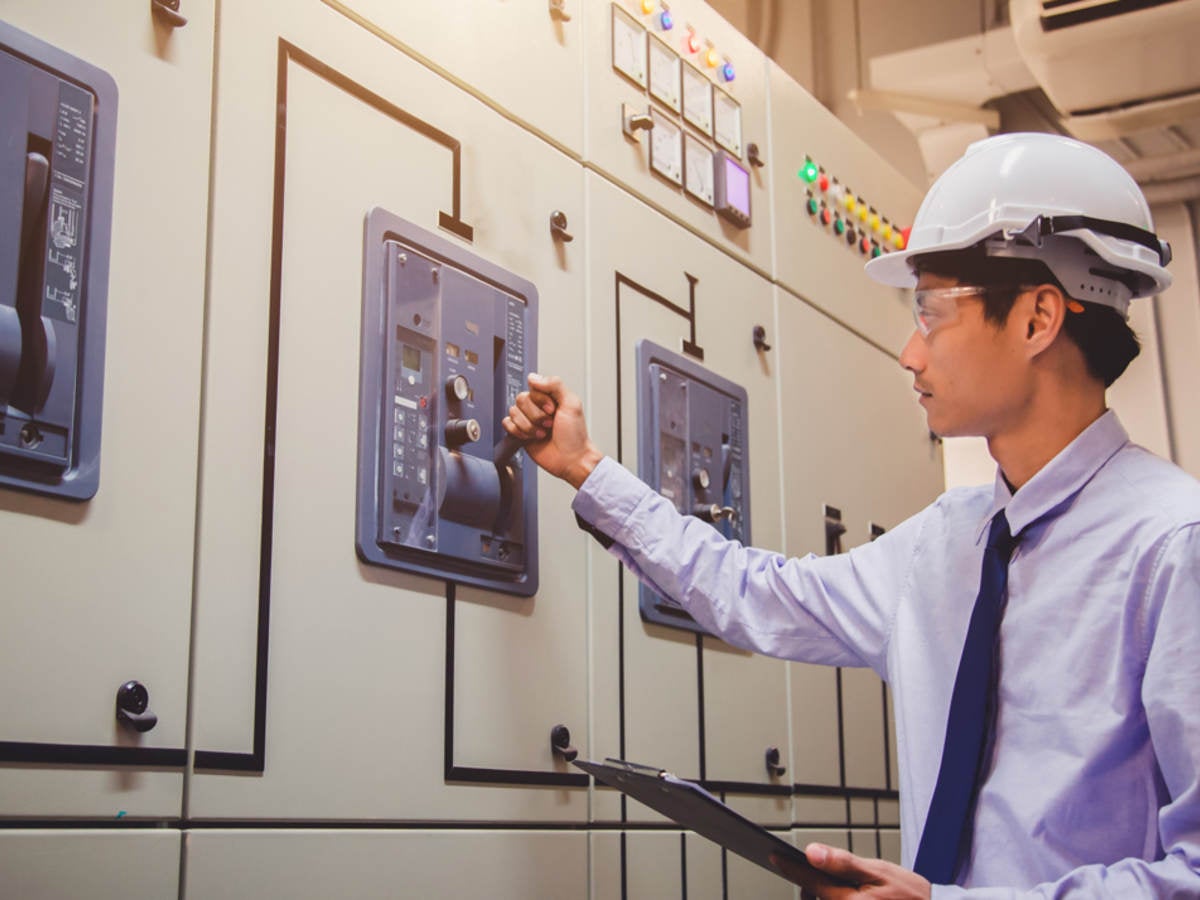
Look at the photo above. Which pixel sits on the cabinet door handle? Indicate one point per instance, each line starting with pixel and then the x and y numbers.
pixel 167 12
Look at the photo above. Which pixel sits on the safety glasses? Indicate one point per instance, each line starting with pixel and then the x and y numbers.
pixel 934 308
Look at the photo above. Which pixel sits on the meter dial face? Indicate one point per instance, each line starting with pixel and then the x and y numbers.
pixel 698 169
pixel 664 73
pixel 697 99
pixel 727 119
pixel 666 148
pixel 628 47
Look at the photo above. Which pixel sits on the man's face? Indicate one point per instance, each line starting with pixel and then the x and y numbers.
pixel 972 375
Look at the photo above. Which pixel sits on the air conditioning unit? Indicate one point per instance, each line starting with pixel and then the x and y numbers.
pixel 1101 61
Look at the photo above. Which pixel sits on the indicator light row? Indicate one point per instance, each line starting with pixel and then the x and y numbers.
pixel 832 204
pixel 693 43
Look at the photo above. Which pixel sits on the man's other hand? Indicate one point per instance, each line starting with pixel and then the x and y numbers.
pixel 874 879
pixel 549 418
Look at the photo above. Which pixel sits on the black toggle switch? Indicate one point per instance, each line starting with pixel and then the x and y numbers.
pixel 462 431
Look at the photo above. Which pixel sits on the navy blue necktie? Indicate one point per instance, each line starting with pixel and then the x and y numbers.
pixel 948 824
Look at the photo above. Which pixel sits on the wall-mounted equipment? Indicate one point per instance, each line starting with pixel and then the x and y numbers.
pixel 448 339
pixel 57 142
pixel 692 432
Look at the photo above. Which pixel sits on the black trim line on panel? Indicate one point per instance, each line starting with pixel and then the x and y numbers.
pixel 829 790
pixel 690 346
pixel 887 737
pixel 90 755
pixel 255 760
pixel 700 705
pixel 477 775
pixel 683 864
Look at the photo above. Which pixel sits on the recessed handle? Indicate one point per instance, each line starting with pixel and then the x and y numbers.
pixel 558 11
pixel 560 743
pixel 133 707
pixel 167 12
pixel 558 227
pixel 774 769
pixel 754 156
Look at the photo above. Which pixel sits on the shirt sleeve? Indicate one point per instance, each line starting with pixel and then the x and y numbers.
pixel 1172 703
pixel 833 610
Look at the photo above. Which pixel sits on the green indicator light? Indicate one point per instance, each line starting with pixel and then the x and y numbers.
pixel 812 206
pixel 875 251
pixel 839 226
pixel 809 172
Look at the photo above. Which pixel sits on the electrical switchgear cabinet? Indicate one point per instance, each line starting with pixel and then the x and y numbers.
pixel 692 450
pixel 448 339
pixel 57 144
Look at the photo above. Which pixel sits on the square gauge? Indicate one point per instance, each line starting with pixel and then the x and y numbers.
pixel 698 169
pixel 666 148
pixel 628 46
pixel 697 99
pixel 731 190
pixel 727 122
pixel 664 73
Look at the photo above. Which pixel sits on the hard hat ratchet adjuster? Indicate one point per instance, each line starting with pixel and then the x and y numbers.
pixel 1045 226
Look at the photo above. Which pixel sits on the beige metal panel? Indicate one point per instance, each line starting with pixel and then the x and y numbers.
pixel 811 259
pixel 862 811
pixel 626 160
pixel 100 593
pixel 634 242
pixel 814 707
pixel 125 793
pixel 821 810
pixel 860 445
pixel 889 845
pixel 747 880
pixel 521 57
pixel 704 863
pixel 863 717
pixel 802 837
pixel 355 705
pixel 315 865
pixel 864 842
pixel 98 864
pixel 889 812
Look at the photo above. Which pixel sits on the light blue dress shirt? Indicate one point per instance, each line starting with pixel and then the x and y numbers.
pixel 1093 787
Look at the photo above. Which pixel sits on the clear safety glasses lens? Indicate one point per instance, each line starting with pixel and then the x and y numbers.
pixel 934 308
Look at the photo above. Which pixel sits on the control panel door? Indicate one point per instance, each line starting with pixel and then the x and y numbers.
pixel 868 465
pixel 412 679
pixel 104 308
pixel 665 696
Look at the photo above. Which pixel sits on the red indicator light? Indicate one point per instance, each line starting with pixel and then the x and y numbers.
pixel 693 42
pixel 823 182
pixel 826 216
pixel 424 402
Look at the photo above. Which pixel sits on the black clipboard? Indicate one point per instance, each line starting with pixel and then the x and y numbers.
pixel 695 808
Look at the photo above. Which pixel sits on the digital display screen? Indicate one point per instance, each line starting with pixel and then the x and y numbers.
pixel 410 358
pixel 737 187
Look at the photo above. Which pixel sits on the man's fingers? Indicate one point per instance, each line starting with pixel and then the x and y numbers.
pixel 525 428
pixel 842 864
pixel 533 411
pixel 550 385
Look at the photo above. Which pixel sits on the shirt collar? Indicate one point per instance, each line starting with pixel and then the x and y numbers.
pixel 1060 479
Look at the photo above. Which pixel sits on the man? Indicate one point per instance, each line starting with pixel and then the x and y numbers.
pixel 1041 636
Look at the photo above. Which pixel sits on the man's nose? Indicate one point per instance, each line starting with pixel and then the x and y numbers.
pixel 912 357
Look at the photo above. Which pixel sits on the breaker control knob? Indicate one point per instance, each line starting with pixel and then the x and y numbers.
pixel 711 512
pixel 560 743
pixel 457 387
pixel 701 479
pixel 462 431
pixel 774 769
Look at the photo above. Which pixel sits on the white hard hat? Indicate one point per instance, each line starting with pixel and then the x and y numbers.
pixel 1045 197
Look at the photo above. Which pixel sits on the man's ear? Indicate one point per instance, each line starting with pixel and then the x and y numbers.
pixel 1044 311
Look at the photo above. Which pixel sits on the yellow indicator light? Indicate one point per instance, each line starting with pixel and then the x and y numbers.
pixel 849 203
pixel 862 210
pixel 647 6
pixel 875 222
pixel 887 232
pixel 712 58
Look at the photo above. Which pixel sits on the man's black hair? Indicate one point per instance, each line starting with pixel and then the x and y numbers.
pixel 1108 343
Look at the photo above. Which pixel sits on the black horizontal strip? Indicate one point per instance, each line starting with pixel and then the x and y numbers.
pixel 1071 17
pixel 92 756
pixel 469 775
pixel 219 761
pixel 746 787
pixel 852 793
